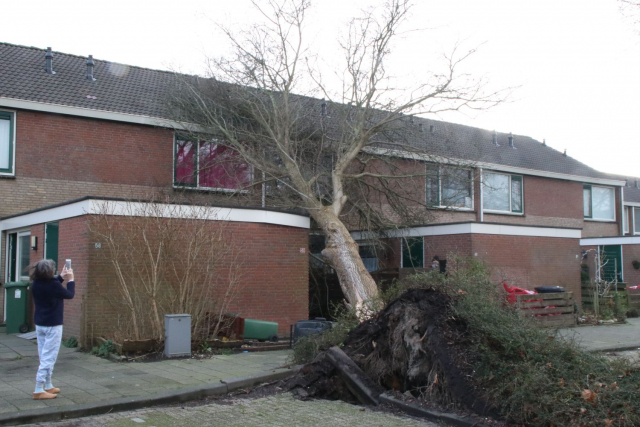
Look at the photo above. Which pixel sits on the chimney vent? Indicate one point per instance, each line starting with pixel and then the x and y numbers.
pixel 626 182
pixel 565 152
pixel 637 184
pixel 495 139
pixel 544 142
pixel 411 119
pixel 90 65
pixel 421 128
pixel 431 128
pixel 511 140
pixel 323 107
pixel 48 61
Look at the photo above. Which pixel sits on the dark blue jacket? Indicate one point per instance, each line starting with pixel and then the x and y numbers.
pixel 48 297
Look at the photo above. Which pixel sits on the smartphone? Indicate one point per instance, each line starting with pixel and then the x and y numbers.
pixel 67 264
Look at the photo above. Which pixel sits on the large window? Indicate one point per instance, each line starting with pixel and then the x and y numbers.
pixel 449 187
pixel 209 165
pixel 502 192
pixel 412 252
pixel 7 123
pixel 599 203
pixel 636 220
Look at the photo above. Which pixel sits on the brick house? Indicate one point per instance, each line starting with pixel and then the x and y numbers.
pixel 74 130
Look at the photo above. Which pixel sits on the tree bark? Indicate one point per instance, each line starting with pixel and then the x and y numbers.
pixel 343 254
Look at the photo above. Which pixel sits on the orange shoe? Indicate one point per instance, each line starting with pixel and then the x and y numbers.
pixel 44 396
pixel 52 390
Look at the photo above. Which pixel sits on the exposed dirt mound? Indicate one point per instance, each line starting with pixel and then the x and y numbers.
pixel 415 344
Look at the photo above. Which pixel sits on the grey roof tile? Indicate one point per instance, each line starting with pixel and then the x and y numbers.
pixel 141 91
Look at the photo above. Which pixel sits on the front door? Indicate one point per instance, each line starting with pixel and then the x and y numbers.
pixel 611 262
pixel 18 245
pixel 51 242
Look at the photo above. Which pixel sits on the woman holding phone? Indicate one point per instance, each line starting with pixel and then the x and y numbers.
pixel 48 297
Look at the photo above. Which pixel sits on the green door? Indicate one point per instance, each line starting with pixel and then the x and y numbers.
pixel 413 252
pixel 611 260
pixel 51 242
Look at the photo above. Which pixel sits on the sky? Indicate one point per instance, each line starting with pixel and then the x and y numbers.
pixel 574 65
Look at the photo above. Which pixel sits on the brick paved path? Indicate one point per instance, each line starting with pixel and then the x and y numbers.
pixel 279 410
pixel 86 379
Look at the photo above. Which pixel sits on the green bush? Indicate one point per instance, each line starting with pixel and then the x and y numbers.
pixel 70 342
pixel 307 348
pixel 104 350
pixel 532 375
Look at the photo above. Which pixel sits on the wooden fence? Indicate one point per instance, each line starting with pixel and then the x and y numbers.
pixel 554 310
pixel 632 296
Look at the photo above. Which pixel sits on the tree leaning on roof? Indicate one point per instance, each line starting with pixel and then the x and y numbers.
pixel 329 158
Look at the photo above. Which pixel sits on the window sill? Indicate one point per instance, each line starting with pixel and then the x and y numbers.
pixel 7 176
pixel 210 190
pixel 452 208
pixel 612 221
pixel 503 213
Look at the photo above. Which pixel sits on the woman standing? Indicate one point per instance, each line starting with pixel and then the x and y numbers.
pixel 48 297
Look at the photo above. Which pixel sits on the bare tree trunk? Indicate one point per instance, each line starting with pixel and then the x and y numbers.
pixel 343 254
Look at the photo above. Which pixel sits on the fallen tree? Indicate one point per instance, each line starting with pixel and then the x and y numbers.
pixel 452 342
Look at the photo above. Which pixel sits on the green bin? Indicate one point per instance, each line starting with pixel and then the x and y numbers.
pixel 260 330
pixel 17 297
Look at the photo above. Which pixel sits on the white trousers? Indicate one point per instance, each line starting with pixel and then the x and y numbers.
pixel 49 339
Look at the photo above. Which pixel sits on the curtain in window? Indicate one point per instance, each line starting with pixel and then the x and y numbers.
pixel 5 141
pixel 636 226
pixel 496 192
pixel 185 163
pixel 220 167
pixel 603 203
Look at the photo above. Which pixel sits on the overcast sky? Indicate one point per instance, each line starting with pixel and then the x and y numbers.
pixel 576 63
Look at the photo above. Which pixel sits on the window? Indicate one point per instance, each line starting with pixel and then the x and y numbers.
pixel 625 220
pixel 7 124
pixel 502 192
pixel 599 203
pixel 369 256
pixel 636 220
pixel 209 165
pixel 449 187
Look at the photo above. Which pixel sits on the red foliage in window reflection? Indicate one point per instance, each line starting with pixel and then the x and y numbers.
pixel 217 166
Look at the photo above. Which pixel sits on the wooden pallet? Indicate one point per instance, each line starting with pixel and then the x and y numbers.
pixel 633 298
pixel 556 310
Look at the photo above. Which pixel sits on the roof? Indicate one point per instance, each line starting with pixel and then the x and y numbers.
pixel 631 189
pixel 140 91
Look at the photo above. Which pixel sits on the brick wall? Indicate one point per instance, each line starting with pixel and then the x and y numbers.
pixel 631 253
pixel 273 284
pixel 445 246
pixel 529 262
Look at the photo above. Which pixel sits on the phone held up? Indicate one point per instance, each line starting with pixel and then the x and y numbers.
pixel 67 264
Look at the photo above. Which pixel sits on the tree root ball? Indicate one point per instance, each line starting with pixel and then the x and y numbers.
pixel 414 345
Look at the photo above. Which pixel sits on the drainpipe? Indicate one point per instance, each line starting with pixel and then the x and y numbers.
pixel 481 196
pixel 621 223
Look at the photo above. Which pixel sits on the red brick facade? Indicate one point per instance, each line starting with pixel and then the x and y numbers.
pixel 273 284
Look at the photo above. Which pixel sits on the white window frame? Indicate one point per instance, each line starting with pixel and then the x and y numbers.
pixel 615 211
pixel 636 219
pixel 510 211
pixel 7 264
pixel 197 186
pixel 456 208
pixel 12 160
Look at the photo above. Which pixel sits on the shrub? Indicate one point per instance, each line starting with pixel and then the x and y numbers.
pixel 307 348
pixel 532 375
pixel 70 342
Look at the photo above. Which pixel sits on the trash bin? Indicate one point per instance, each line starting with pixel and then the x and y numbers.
pixel 260 330
pixel 17 296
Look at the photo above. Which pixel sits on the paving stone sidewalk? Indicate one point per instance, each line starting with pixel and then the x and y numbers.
pixel 606 337
pixel 278 410
pixel 84 378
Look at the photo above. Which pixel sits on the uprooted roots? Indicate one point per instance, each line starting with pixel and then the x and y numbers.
pixel 415 344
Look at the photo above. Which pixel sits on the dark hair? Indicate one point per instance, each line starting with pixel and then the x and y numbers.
pixel 43 270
